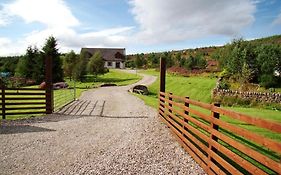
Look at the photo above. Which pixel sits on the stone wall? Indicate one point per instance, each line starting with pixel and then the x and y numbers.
pixel 253 96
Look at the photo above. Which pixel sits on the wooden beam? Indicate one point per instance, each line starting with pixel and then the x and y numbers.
pixel 162 74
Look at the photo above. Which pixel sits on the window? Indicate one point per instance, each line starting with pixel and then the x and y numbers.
pixel 109 63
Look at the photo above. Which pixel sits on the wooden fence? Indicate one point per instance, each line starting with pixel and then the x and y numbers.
pixel 22 101
pixel 221 147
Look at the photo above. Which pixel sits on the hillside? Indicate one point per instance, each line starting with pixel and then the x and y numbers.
pixel 151 60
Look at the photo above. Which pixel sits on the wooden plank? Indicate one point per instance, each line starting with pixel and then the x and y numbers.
pixel 194 139
pixel 25 103
pixel 25 108
pixel 199 114
pixel 186 148
pixel 23 113
pixel 276 127
pixel 236 158
pixel 197 155
pixel 276 166
pixel 25 89
pixel 193 120
pixel 269 143
pixel 193 102
pixel 224 163
pixel 21 98
pixel 25 93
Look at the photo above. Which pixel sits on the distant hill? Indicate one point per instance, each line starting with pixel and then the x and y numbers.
pixel 205 51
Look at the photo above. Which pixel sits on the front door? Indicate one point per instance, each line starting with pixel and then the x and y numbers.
pixel 117 64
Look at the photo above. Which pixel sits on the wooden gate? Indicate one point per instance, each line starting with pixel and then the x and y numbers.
pixel 22 101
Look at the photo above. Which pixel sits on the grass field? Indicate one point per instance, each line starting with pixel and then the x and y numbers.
pixel 199 88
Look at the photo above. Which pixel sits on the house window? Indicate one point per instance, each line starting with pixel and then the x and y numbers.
pixel 109 63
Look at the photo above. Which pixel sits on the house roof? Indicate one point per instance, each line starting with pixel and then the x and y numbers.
pixel 108 54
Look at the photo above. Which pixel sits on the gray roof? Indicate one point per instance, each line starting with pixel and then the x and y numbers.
pixel 108 54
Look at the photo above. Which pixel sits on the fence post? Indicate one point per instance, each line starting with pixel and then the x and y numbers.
pixel 186 104
pixel 162 80
pixel 212 137
pixel 162 74
pixel 3 102
pixel 49 85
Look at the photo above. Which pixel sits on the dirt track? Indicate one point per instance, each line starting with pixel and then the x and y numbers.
pixel 121 136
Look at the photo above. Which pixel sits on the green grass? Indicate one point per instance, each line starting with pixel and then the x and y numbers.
pixel 117 77
pixel 199 88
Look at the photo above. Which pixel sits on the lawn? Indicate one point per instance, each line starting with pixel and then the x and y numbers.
pixel 199 88
pixel 117 77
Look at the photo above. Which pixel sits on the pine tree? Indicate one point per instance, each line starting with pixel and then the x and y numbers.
pixel 50 50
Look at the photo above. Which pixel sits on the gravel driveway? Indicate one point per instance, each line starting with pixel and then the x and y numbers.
pixel 128 138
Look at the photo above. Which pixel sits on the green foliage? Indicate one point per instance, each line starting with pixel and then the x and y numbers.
pixel 224 85
pixel 96 65
pixel 245 62
pixel 246 74
pixel 153 60
pixel 9 64
pixel 130 64
pixel 139 60
pixel 80 68
pixel 169 60
pixel 31 66
pixel 50 49
pixel 269 61
pixel 194 62
pixel 69 62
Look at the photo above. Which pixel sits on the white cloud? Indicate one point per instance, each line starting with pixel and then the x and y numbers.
pixel 52 13
pixel 177 20
pixel 8 47
pixel 277 21
pixel 59 22
pixel 3 19
pixel 68 39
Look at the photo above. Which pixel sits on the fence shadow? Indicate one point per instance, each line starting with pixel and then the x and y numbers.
pixel 14 129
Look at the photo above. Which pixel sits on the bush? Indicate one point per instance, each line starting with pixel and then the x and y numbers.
pixel 224 85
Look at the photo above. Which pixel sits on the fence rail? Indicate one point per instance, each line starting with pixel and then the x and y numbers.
pixel 220 147
pixel 20 101
pixel 63 97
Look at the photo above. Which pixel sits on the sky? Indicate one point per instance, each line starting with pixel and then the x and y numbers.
pixel 137 25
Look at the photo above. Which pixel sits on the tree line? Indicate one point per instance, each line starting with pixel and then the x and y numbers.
pixel 248 62
pixel 188 60
pixel 30 67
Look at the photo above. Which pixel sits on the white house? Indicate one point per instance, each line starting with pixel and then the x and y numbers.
pixel 113 57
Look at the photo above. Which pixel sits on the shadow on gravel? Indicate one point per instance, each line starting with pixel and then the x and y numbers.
pixel 123 116
pixel 14 129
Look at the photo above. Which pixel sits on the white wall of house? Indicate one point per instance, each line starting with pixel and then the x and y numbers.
pixel 112 64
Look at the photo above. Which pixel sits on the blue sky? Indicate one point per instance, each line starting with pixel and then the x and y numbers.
pixel 137 25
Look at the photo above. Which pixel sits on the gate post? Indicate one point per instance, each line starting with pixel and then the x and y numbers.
pixel 162 80
pixel 162 74
pixel 49 85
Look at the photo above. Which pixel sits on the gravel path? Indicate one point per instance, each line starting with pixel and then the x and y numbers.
pixel 121 136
